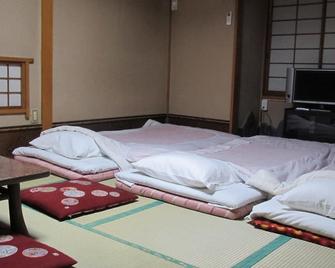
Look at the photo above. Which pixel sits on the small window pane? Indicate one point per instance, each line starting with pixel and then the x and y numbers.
pixel 330 10
pixel 3 71
pixel 309 1
pixel 3 85
pixel 310 11
pixel 308 41
pixel 284 13
pixel 283 27
pixel 307 66
pixel 14 100
pixel 3 100
pixel 329 41
pixel 282 42
pixel 277 84
pixel 330 25
pixel 325 66
pixel 307 56
pixel 281 56
pixel 279 70
pixel 329 56
pixel 15 71
pixel 14 85
pixel 309 26
pixel 284 2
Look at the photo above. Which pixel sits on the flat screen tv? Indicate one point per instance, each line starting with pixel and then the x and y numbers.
pixel 314 86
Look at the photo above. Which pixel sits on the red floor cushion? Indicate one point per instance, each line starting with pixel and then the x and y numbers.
pixel 293 232
pixel 71 198
pixel 22 251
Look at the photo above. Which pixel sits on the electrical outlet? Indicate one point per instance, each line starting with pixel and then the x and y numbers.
pixel 34 116
pixel 174 5
pixel 264 105
pixel 229 17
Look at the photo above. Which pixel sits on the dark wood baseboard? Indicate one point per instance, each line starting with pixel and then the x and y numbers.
pixel 220 125
pixel 13 137
pixel 116 123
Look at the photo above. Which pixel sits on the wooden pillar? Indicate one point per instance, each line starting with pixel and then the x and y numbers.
pixel 47 62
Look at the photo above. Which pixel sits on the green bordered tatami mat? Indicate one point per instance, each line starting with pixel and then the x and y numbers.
pixel 150 233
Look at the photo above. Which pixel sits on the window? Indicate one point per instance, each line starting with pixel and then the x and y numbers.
pixel 301 35
pixel 14 86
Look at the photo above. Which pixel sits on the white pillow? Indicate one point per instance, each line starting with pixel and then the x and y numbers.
pixel 188 169
pixel 315 196
pixel 69 144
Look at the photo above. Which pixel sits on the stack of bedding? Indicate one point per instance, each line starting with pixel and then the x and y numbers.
pixel 231 176
pixel 206 170
pixel 74 152
pixel 308 205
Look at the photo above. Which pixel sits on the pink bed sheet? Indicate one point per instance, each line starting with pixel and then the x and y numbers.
pixel 187 202
pixel 66 173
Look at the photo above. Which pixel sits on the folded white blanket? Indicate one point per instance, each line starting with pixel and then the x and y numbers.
pixel 115 150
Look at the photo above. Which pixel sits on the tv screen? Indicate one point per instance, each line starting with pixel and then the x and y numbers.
pixel 314 86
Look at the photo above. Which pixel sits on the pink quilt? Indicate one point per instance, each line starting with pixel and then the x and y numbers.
pixel 186 202
pixel 66 173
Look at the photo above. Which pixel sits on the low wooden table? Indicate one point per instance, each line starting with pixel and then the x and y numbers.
pixel 12 173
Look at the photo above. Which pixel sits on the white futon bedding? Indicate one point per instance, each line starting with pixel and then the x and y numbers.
pixel 232 196
pixel 136 143
pixel 274 210
pixel 284 159
pixel 161 138
pixel 83 166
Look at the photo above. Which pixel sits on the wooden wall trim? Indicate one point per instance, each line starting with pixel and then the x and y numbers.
pixel 169 60
pixel 216 124
pixel 116 123
pixel 235 73
pixel 47 62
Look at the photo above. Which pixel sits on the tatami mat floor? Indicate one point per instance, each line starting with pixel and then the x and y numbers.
pixel 150 233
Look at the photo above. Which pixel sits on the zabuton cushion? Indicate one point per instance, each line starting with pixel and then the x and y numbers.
pixel 293 232
pixel 21 251
pixel 70 198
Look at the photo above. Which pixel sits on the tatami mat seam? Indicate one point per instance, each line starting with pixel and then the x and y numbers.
pixel 123 214
pixel 260 254
pixel 133 245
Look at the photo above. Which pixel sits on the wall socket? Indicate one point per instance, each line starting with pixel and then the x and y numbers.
pixel 264 105
pixel 34 116
pixel 174 5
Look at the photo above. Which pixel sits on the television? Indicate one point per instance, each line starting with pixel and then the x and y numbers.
pixel 314 88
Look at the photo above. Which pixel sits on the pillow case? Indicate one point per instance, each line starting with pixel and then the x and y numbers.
pixel 188 169
pixel 69 144
pixel 315 196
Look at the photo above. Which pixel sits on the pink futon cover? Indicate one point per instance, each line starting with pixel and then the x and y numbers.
pixel 187 202
pixel 66 173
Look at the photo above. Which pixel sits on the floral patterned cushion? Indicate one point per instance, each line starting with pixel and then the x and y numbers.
pixel 293 232
pixel 71 198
